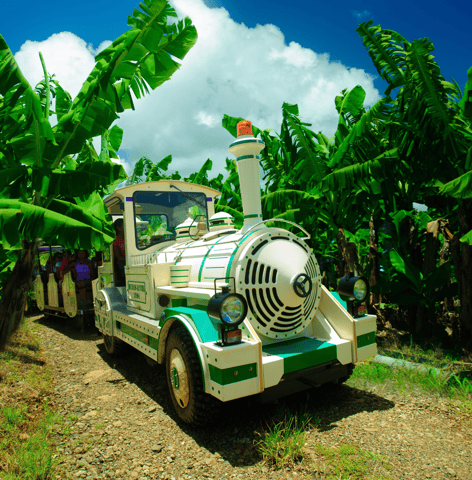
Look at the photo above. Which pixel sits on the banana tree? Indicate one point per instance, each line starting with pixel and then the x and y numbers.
pixel 430 126
pixel 46 193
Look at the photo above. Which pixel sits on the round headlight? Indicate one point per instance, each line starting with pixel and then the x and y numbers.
pixel 360 290
pixel 354 288
pixel 232 310
pixel 227 308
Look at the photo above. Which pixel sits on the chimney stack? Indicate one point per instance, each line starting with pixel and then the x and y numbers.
pixel 246 149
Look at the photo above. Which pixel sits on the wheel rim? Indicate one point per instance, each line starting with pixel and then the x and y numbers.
pixel 179 378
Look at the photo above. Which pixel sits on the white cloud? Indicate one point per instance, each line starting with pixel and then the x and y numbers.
pixel 66 55
pixel 233 69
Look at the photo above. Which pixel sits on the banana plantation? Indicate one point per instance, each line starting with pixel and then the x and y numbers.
pixel 389 196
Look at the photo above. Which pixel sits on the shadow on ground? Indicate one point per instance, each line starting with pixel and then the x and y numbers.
pixel 241 422
pixel 68 327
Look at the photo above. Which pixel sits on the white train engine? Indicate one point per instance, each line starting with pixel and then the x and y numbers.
pixel 231 313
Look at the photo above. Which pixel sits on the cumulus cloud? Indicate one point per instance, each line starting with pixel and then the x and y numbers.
pixel 243 72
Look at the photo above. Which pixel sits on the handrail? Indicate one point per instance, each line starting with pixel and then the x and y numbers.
pixel 281 220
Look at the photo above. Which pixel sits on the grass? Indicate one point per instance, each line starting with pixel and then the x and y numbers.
pixel 350 462
pixel 283 445
pixel 282 440
pixel 453 382
pixel 27 419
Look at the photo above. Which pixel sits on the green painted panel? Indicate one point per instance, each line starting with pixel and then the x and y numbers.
pixel 226 376
pixel 302 352
pixel 366 339
pixel 179 302
pixel 140 336
pixel 339 299
pixel 199 315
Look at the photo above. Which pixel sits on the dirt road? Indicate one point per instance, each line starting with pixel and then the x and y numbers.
pixel 123 425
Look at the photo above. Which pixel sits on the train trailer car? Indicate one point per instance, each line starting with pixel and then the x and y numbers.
pixel 229 312
pixel 60 298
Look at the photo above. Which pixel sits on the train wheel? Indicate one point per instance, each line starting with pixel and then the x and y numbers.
pixel 114 346
pixel 184 379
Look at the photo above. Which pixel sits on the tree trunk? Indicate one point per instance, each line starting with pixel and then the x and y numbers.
pixel 15 291
pixel 462 256
pixel 324 280
pixel 432 247
pixel 374 278
pixel 347 254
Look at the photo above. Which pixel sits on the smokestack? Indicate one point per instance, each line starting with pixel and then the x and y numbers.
pixel 246 149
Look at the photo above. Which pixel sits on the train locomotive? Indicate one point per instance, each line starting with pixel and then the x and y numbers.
pixel 230 312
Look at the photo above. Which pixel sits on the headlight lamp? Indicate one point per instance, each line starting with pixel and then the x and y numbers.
pixel 229 309
pixel 355 291
pixel 360 290
pixel 354 288
pixel 232 310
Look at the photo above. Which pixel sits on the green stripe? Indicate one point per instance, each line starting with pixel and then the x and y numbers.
pixel 206 256
pixel 249 140
pixel 244 157
pixel 228 270
pixel 366 339
pixel 253 215
pixel 214 267
pixel 140 336
pixel 227 376
pixel 302 352
pixel 198 314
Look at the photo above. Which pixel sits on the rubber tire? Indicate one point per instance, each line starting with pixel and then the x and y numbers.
pixel 114 346
pixel 202 408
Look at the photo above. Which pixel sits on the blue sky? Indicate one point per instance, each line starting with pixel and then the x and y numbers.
pixel 302 52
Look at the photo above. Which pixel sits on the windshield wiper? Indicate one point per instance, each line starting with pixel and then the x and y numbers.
pixel 190 198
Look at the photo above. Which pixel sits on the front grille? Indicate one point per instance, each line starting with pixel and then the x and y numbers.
pixel 264 303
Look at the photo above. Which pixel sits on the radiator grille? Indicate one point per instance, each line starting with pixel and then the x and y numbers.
pixel 271 315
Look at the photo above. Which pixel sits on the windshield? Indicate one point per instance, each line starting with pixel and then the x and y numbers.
pixel 158 213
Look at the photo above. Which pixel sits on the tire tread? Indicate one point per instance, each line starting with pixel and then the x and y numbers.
pixel 205 407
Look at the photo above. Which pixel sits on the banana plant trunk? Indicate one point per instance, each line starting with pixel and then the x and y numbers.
pixel 462 257
pixel 347 255
pixel 15 291
pixel 374 278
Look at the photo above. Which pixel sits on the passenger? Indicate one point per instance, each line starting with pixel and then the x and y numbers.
pixel 66 260
pixel 83 270
pixel 119 251
pixel 96 262
pixel 56 263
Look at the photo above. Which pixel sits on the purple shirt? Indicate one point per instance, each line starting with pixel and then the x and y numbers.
pixel 83 271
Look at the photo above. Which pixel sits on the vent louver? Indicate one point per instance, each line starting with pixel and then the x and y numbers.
pixel 272 317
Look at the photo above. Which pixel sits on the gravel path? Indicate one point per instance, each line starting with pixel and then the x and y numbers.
pixel 123 425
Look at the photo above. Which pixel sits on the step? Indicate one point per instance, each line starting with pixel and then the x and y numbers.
pixel 301 352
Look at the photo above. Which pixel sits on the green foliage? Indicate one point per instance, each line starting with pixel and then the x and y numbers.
pixel 350 462
pixel 26 423
pixel 282 441
pixel 455 387
pixel 140 59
